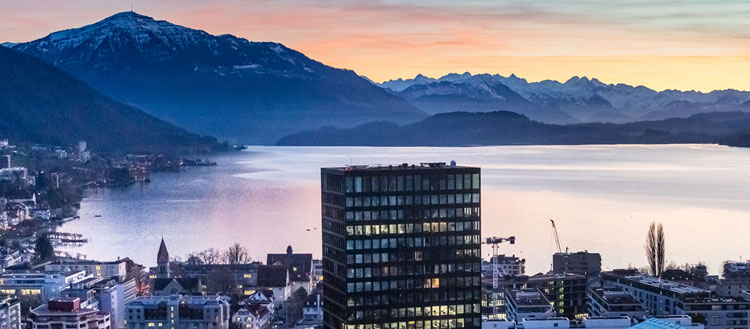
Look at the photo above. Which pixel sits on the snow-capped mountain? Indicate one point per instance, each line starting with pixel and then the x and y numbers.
pixel 580 98
pixel 218 84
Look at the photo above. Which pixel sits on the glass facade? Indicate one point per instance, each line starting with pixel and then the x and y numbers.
pixel 401 247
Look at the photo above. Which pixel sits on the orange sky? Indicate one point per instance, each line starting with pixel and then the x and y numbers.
pixel 680 44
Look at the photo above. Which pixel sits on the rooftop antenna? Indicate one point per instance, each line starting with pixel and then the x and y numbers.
pixel 131 6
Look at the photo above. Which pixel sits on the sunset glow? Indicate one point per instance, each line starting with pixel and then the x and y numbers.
pixel 670 44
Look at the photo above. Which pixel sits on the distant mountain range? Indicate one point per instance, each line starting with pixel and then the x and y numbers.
pixel 254 92
pixel 258 92
pixel 508 128
pixel 41 104
pixel 574 101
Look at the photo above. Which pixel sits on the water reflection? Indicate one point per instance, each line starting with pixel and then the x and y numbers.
pixel 602 198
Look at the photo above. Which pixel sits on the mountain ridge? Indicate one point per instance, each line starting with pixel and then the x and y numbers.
pixel 41 104
pixel 253 92
pixel 581 98
pixel 509 128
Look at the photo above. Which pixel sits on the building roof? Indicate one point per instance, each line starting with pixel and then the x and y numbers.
pixel 528 297
pixel 271 276
pixel 186 283
pixel 402 167
pixel 163 255
pixel 295 262
pixel 615 296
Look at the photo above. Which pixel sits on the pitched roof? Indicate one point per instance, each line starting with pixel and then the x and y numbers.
pixel 303 262
pixel 272 276
pixel 163 255
pixel 186 283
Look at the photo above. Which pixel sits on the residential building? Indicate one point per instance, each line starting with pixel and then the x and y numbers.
pixel 245 275
pixel 566 292
pixel 662 298
pixel 106 295
pixel 614 302
pixel 45 285
pixel 253 316
pixel 276 279
pixel 10 313
pixel 178 312
pixel 61 313
pixel 507 265
pixel 299 266
pixel 317 274
pixel 401 246
pixel 110 269
pixel 583 262
pixel 527 303
pixel 312 310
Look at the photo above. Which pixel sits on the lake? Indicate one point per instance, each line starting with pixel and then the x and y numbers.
pixel 601 197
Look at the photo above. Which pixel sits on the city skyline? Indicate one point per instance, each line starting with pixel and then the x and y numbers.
pixel 668 45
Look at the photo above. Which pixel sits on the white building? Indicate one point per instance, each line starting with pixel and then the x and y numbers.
pixel 527 304
pixel 117 268
pixel 46 285
pixel 67 313
pixel 10 313
pixel 178 312
pixel 253 316
pixel 507 265
pixel 665 298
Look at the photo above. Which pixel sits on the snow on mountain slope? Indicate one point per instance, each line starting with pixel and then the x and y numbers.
pixel 252 92
pixel 583 98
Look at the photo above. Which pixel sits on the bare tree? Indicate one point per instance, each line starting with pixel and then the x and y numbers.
pixel 655 249
pixel 651 248
pixel 236 254
pixel 210 256
pixel 660 251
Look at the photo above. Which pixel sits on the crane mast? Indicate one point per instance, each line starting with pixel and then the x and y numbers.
pixel 495 241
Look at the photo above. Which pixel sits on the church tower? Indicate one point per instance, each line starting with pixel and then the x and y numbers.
pixel 162 261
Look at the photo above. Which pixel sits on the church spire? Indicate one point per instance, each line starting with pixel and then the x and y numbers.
pixel 163 255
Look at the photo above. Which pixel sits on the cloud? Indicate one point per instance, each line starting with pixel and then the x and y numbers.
pixel 389 38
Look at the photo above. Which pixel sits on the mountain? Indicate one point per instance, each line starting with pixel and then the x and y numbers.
pixel 42 104
pixel 8 44
pixel 253 92
pixel 508 128
pixel 579 99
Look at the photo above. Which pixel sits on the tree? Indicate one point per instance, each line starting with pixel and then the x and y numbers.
pixel 210 256
pixel 295 304
pixel 194 259
pixel 43 249
pixel 655 249
pixel 661 252
pixel 236 254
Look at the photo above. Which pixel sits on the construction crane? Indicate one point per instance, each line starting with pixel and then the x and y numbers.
pixel 557 238
pixel 495 241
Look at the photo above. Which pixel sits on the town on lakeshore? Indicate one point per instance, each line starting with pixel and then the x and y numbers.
pixel 401 249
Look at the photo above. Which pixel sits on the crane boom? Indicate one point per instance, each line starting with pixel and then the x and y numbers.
pixel 557 238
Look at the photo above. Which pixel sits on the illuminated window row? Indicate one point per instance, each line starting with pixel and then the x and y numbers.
pixel 412 242
pixel 401 200
pixel 415 214
pixel 433 283
pixel 386 271
pixel 409 228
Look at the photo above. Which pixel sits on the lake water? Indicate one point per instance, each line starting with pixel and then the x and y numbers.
pixel 601 197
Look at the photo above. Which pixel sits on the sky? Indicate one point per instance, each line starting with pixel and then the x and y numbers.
pixel 668 44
